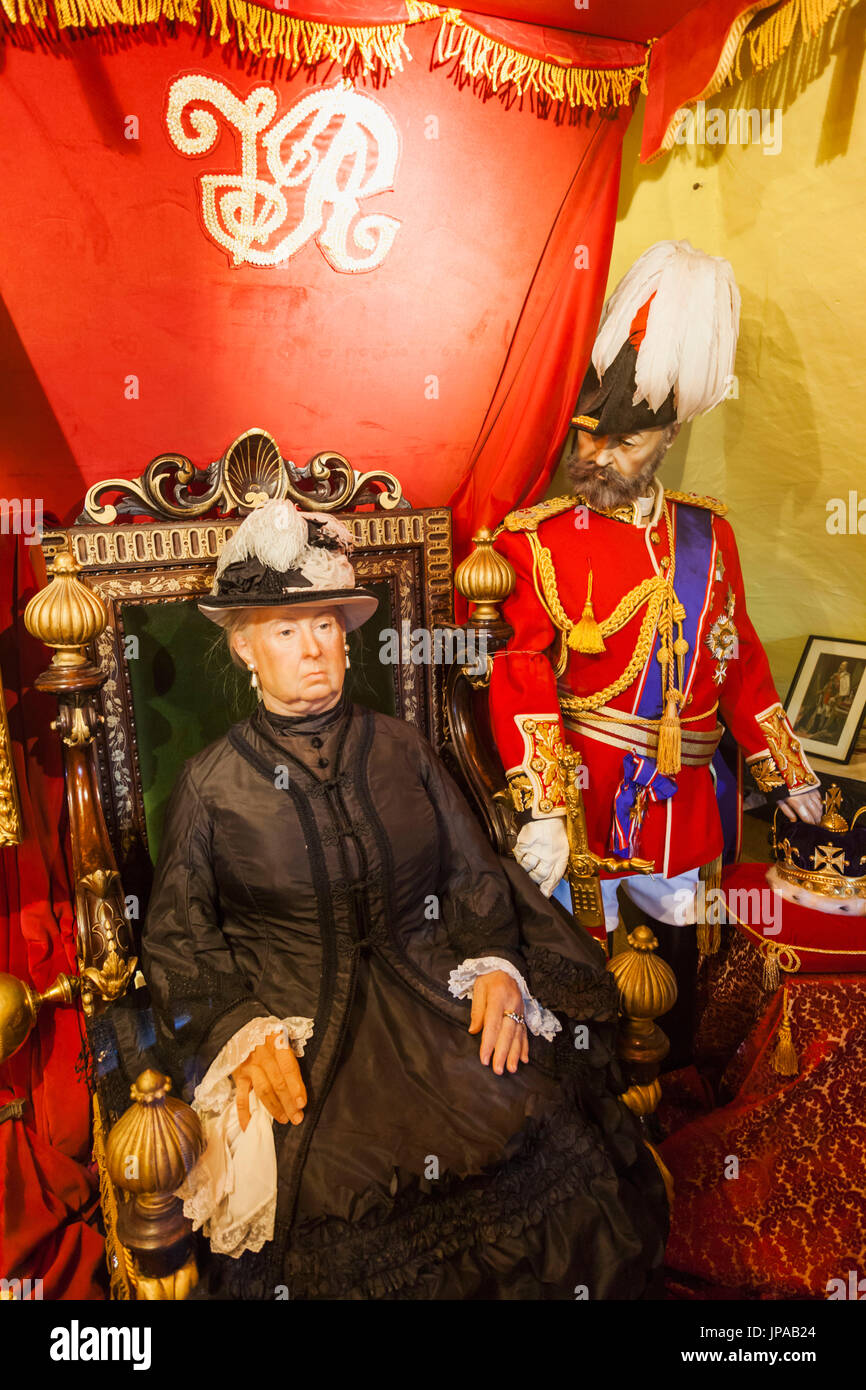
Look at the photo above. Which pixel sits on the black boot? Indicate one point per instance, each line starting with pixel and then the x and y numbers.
pixel 678 946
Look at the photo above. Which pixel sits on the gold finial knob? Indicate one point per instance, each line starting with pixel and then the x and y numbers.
pixel 485 578
pixel 151 1087
pixel 156 1142
pixel 647 985
pixel 65 614
pixel 19 1005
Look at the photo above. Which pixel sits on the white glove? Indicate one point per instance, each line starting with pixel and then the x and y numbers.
pixel 542 850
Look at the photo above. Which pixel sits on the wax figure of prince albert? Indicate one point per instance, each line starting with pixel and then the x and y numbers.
pixel 631 637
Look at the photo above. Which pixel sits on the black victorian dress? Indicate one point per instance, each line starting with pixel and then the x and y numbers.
pixel 347 892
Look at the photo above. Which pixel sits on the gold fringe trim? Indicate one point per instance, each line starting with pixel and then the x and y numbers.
pixel 767 42
pixel 95 14
pixel 116 1255
pixel 302 41
pixel 480 56
pixel 261 31
pixel 25 11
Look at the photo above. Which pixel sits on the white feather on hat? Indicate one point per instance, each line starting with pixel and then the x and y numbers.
pixel 691 332
pixel 276 533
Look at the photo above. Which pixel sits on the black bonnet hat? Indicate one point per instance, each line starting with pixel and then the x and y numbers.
pixel 280 556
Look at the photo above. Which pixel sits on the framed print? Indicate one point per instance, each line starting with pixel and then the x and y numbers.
pixel 827 698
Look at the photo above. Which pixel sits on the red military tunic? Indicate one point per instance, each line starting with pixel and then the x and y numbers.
pixel 726 675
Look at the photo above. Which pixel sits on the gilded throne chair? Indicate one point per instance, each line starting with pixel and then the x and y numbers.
pixel 142 684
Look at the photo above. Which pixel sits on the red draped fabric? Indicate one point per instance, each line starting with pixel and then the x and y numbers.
pixel 521 437
pixel 422 367
pixel 47 1187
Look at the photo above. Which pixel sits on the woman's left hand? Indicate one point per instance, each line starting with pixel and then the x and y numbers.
pixel 504 1040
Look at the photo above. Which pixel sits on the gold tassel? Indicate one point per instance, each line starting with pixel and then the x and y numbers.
pixel 585 635
pixel 116 1255
pixel 669 753
pixel 709 938
pixel 785 1060
pixel 710 933
pixel 711 873
pixel 771 974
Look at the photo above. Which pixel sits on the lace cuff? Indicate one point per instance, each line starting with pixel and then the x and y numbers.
pixel 216 1090
pixel 461 983
pixel 232 1191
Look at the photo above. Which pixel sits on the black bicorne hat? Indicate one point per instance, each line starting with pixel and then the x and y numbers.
pixel 665 345
pixel 606 407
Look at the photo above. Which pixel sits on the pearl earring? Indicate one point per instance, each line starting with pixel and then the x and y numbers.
pixel 254 680
pixel 348 662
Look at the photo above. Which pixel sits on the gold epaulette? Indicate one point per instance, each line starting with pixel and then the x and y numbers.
pixel 530 518
pixel 693 500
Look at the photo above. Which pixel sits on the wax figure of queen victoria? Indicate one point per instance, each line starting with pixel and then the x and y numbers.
pixel 631 636
pixel 380 1010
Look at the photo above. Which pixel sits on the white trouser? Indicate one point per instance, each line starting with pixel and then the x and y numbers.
pixel 670 900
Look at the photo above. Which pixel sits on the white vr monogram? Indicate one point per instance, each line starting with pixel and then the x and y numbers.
pixel 335 145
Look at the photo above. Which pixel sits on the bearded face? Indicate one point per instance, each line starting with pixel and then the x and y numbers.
pixel 615 469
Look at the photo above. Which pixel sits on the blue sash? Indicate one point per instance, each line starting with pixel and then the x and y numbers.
pixel 694 548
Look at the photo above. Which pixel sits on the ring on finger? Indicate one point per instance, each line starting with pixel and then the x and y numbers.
pixel 518 1018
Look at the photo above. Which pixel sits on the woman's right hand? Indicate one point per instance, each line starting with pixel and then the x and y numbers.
pixel 272 1071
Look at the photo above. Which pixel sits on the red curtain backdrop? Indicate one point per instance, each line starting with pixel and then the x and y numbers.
pixel 108 274
pixel 47 1187
pixel 454 364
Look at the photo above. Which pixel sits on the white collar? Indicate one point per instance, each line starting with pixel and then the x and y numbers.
pixel 647 510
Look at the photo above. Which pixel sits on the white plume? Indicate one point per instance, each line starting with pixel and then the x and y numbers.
pixel 692 326
pixel 328 569
pixel 276 533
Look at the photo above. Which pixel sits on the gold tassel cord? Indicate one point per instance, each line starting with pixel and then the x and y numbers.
pixel 669 752
pixel 771 975
pixel 120 1276
pixel 785 1060
pixel 664 1170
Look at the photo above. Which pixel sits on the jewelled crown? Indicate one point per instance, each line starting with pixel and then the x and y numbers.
pixel 822 866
